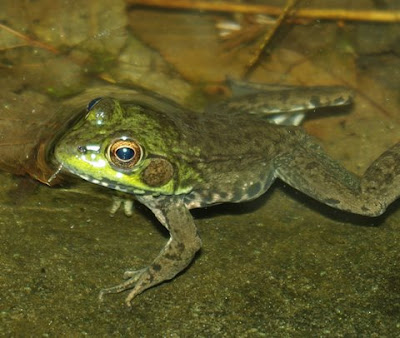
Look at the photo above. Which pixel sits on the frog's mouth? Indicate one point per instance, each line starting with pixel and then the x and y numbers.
pixel 103 182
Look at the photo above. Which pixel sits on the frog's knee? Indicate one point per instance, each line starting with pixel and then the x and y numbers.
pixel 190 248
pixel 195 245
pixel 373 209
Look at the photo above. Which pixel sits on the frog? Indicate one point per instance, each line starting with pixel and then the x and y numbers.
pixel 172 160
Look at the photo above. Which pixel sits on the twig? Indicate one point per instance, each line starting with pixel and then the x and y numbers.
pixel 253 61
pixel 320 14
pixel 29 41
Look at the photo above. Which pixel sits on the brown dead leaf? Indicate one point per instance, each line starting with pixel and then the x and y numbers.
pixel 28 125
pixel 188 41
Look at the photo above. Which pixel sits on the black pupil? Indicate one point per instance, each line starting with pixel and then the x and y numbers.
pixel 125 153
pixel 92 103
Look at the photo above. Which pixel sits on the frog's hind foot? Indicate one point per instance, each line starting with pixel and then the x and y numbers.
pixel 138 281
pixel 131 277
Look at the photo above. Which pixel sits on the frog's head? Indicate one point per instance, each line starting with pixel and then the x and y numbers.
pixel 123 147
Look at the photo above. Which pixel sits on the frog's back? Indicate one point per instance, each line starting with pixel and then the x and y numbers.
pixel 231 155
pixel 204 137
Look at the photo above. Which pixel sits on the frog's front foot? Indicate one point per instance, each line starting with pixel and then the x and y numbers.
pixel 173 258
pixel 127 204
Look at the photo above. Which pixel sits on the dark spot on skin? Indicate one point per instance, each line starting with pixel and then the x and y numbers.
pixel 237 195
pixel 311 165
pixel 180 247
pixel 172 257
pixel 156 267
pixel 209 199
pixel 223 195
pixel 254 189
pixel 388 178
pixel 178 250
pixel 332 201
pixel 315 101
pixel 184 182
pixel 364 208
pixel 339 100
pixel 157 173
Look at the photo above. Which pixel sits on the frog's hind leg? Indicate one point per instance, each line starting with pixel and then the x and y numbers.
pixel 382 178
pixel 308 169
pixel 288 101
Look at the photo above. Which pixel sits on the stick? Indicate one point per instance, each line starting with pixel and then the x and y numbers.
pixel 321 14
pixel 289 6
pixel 29 41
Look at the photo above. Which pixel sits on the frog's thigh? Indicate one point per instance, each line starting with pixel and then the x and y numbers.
pixel 311 171
pixel 382 178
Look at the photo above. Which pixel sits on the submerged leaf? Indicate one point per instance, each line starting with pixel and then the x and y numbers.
pixel 28 126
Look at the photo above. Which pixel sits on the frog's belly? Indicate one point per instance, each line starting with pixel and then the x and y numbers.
pixel 231 188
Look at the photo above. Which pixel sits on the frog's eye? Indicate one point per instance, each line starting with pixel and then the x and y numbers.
pixel 92 103
pixel 124 153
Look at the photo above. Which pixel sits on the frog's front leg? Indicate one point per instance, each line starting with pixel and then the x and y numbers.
pixel 308 169
pixel 184 242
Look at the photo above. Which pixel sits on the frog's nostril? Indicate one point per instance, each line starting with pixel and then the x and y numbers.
pixel 82 149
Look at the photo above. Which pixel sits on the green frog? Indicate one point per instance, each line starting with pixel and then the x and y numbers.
pixel 173 160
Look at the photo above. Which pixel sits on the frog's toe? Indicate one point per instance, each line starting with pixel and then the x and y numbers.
pixel 132 273
pixel 127 204
pixel 136 290
pixel 141 281
pixel 131 277
pixel 128 284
